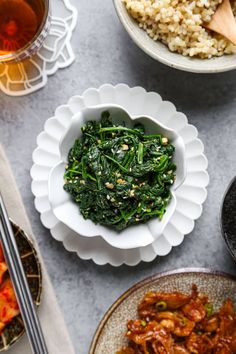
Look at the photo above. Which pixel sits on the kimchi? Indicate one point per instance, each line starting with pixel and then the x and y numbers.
pixel 8 303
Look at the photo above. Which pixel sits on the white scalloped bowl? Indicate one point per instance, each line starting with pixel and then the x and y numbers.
pixel 67 211
pixel 189 197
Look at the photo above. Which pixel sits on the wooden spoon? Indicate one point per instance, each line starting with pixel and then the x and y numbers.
pixel 223 22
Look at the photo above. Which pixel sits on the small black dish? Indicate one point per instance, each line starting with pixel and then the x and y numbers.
pixel 228 218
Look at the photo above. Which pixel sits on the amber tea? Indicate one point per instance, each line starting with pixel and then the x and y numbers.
pixel 20 22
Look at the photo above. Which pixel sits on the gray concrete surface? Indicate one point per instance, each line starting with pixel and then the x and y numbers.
pixel 105 54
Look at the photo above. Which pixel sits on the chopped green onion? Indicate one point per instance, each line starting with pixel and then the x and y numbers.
pixel 161 305
pixel 209 309
pixel 183 321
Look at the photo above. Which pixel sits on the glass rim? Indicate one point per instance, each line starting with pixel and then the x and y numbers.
pixel 13 56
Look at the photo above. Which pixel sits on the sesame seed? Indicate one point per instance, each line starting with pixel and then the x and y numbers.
pixel 164 141
pixel 132 193
pixel 109 185
pixel 121 181
pixel 125 147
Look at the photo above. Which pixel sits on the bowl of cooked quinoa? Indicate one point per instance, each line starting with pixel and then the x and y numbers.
pixel 173 32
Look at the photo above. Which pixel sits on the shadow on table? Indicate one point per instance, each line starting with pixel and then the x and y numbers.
pixel 187 90
pixel 163 264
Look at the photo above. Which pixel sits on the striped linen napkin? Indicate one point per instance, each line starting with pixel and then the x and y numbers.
pixel 54 329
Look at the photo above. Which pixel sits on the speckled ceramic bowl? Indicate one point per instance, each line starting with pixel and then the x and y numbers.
pixel 228 217
pixel 15 329
pixel 109 337
pixel 160 52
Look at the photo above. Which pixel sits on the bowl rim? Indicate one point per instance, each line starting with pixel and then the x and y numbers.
pixel 146 281
pixel 132 118
pixel 38 300
pixel 168 62
pixel 233 180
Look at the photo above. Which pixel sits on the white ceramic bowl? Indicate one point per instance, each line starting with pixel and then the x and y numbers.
pixel 160 52
pixel 68 212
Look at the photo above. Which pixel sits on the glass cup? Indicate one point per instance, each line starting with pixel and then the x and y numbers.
pixel 24 25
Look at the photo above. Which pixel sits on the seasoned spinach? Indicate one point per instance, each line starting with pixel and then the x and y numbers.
pixel 120 176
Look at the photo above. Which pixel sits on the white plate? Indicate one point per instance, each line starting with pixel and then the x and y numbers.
pixel 190 196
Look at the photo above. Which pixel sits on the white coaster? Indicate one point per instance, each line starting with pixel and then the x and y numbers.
pixel 31 75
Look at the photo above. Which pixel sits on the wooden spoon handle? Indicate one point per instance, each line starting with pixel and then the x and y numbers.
pixel 232 37
pixel 223 22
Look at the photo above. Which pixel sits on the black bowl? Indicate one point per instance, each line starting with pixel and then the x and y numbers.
pixel 228 218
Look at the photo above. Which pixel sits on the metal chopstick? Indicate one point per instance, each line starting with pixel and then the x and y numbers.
pixel 18 277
